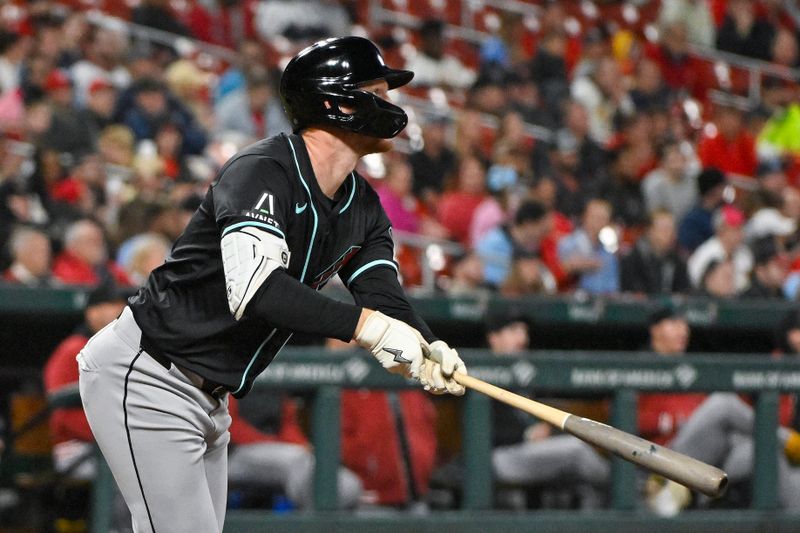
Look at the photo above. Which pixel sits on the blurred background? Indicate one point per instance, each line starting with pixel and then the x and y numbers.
pixel 596 201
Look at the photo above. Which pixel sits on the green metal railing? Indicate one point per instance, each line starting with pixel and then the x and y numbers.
pixel 619 376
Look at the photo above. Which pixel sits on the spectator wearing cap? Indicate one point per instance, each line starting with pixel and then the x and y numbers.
pixel 720 432
pixel 726 244
pixel 82 191
pixel 68 133
pixel 432 65
pixel 100 105
pixel 84 260
pixel 771 174
pixel 434 164
pixel 653 266
pixel 104 54
pixel 522 237
pixel 456 207
pixel 769 221
pixel 73 442
pixel 662 415
pixel 728 146
pixel 591 259
pixel 152 106
pixel 253 111
pixel 673 185
pixel 770 270
pixel 526 451
pixel 30 255
pixel 488 93
pixel 696 227
pixel 192 86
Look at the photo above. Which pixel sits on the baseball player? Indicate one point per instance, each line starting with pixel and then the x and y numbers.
pixel 283 216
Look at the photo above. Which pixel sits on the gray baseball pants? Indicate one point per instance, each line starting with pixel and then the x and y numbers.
pixel 164 439
pixel 557 460
pixel 720 432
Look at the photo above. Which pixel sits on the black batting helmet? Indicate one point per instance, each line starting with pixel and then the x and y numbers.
pixel 333 71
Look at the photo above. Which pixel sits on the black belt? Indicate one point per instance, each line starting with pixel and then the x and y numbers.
pixel 211 388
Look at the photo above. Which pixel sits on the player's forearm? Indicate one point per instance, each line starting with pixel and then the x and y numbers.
pixel 286 303
pixel 379 289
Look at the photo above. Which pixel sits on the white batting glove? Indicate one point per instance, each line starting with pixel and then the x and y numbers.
pixel 440 362
pixel 393 343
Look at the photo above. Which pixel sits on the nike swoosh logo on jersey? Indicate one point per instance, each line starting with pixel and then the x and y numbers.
pixel 398 355
pixel 298 209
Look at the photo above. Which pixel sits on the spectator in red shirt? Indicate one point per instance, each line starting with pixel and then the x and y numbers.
pixel 74 453
pixel 660 415
pixel 31 253
pixel 457 206
pixel 84 260
pixel 728 146
pixel 720 432
pixel 679 69
pixel 72 437
pixel 388 442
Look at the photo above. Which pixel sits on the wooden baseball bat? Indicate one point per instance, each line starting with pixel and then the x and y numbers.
pixel 680 468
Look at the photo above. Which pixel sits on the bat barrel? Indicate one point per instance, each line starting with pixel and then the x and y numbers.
pixel 680 468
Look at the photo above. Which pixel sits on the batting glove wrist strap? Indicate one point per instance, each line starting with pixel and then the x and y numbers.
pixel 393 343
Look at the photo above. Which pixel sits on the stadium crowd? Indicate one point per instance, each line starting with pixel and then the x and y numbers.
pixel 655 176
pixel 648 172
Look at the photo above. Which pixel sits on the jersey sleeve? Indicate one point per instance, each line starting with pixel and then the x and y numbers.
pixel 372 276
pixel 252 195
pixel 252 191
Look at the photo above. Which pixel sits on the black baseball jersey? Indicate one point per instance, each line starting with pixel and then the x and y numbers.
pixel 183 309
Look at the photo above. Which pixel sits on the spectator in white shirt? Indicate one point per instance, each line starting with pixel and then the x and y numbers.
pixel 727 244
pixel 432 67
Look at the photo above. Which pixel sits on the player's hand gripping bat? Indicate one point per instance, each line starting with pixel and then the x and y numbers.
pixel 680 468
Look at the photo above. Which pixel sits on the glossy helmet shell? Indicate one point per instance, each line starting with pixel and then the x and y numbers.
pixel 332 71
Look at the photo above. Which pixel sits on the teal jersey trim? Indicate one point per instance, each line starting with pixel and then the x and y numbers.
pixel 305 266
pixel 256 224
pixel 313 210
pixel 253 360
pixel 369 265
pixel 352 193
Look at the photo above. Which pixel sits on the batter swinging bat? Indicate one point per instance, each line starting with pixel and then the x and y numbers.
pixel 680 468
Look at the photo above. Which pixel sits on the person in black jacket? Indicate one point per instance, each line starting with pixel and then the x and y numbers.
pixel 769 271
pixel 653 266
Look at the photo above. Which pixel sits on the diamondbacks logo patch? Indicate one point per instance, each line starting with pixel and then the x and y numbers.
pixel 323 277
